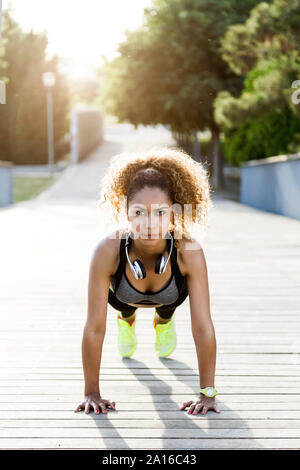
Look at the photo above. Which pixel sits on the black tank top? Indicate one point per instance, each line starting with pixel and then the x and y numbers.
pixel 127 293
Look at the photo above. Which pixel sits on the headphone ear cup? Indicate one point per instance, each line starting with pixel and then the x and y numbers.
pixel 160 264
pixel 139 269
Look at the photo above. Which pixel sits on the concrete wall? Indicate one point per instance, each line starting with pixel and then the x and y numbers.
pixel 272 184
pixel 86 132
pixel 6 183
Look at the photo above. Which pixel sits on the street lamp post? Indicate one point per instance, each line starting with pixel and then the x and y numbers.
pixel 49 81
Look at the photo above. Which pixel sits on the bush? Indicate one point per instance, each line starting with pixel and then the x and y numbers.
pixel 261 137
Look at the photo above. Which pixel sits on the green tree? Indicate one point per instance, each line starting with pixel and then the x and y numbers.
pixel 265 51
pixel 23 119
pixel 170 70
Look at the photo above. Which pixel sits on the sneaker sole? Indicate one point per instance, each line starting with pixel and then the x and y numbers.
pixel 167 353
pixel 130 352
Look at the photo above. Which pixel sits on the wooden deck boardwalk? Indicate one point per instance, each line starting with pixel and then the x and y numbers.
pixel 253 260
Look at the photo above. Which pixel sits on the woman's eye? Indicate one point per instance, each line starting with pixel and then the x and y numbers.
pixel 163 212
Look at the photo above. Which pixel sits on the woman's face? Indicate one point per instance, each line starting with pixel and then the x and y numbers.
pixel 149 212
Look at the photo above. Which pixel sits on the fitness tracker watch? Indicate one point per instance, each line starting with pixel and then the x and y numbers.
pixel 209 391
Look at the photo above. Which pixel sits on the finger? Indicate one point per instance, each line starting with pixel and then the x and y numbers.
pixel 216 409
pixel 79 407
pixel 191 408
pixel 96 407
pixel 103 408
pixel 87 407
pixel 108 403
pixel 112 404
pixel 205 409
pixel 197 408
pixel 185 404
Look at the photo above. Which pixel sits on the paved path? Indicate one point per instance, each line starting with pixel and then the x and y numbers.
pixel 254 274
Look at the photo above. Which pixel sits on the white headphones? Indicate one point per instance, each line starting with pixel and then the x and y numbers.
pixel 137 266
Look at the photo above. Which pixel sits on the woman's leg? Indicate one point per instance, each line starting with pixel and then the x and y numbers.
pixel 127 318
pixel 165 312
pixel 127 311
pixel 163 317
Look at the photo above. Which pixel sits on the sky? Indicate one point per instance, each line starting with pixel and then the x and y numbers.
pixel 79 31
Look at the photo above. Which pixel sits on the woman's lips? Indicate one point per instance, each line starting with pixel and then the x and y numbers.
pixel 151 235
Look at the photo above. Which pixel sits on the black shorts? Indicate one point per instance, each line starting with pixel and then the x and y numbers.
pixel 165 311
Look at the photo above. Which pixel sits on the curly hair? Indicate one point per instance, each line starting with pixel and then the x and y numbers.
pixel 173 170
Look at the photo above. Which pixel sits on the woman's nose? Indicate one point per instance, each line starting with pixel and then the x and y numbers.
pixel 150 221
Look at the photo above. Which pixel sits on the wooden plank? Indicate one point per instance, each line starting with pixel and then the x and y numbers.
pixel 221 377
pixel 156 389
pixel 176 379
pixel 153 443
pixel 147 405
pixel 71 398
pixel 152 362
pixel 202 423
pixel 149 433
pixel 153 414
pixel 116 369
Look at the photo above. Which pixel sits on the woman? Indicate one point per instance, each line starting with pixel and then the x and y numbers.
pixel 154 263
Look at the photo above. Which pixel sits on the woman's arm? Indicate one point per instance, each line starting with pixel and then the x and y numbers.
pixel 201 323
pixel 95 327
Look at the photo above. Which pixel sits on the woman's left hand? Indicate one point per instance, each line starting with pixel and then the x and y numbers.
pixel 205 403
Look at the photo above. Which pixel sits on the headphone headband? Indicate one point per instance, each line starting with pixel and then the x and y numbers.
pixel 137 266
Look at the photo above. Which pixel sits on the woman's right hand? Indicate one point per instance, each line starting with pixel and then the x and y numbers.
pixel 93 400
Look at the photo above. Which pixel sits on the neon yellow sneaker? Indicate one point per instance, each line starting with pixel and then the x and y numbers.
pixel 127 340
pixel 166 339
